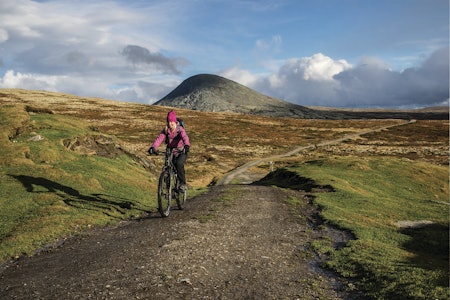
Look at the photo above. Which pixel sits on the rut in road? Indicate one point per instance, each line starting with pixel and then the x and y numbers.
pixel 235 242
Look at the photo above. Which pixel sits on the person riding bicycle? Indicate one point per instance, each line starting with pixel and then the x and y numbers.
pixel 177 139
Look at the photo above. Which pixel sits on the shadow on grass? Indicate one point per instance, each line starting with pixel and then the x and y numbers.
pixel 98 202
pixel 287 179
pixel 430 244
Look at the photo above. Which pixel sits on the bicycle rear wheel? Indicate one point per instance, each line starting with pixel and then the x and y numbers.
pixel 164 194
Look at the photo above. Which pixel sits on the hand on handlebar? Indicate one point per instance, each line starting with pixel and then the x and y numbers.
pixel 152 151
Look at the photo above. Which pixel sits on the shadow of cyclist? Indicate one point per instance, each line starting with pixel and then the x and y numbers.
pixel 74 198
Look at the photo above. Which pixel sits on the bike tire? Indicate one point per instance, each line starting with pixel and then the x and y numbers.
pixel 164 194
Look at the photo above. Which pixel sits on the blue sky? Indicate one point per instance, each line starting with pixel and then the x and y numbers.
pixel 341 53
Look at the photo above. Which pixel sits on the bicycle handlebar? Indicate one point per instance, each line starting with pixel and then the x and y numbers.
pixel 154 153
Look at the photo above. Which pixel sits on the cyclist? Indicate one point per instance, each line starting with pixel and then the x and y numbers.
pixel 177 139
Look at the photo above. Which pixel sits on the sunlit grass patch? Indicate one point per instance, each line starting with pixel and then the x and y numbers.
pixel 48 192
pixel 371 196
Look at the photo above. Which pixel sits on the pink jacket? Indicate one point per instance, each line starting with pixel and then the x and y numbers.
pixel 177 139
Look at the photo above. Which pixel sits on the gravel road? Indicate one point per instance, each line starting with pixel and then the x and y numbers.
pixel 234 242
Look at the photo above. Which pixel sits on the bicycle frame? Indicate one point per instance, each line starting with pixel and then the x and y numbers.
pixel 168 186
pixel 168 160
pixel 170 167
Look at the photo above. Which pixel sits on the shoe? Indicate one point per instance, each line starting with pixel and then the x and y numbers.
pixel 183 188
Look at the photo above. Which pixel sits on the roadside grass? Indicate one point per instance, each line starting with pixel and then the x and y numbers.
pixel 48 192
pixel 398 211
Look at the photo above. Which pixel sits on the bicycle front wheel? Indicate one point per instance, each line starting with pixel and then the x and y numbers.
pixel 164 194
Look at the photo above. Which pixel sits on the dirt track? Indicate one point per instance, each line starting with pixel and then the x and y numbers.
pixel 235 242
pixel 242 174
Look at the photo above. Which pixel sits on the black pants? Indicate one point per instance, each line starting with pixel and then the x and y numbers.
pixel 179 164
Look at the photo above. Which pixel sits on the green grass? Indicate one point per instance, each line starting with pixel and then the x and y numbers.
pixel 371 197
pixel 48 192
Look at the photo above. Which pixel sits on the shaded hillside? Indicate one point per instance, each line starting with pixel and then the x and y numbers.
pixel 213 93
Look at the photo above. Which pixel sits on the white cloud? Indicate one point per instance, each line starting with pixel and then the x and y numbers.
pixel 27 81
pixel 88 50
pixel 321 81
pixel 272 45
pixel 317 67
pixel 141 91
pixel 304 81
pixel 244 77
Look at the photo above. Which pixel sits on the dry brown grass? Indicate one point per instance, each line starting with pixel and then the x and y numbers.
pixel 425 140
pixel 223 141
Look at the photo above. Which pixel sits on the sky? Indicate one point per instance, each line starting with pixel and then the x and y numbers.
pixel 336 53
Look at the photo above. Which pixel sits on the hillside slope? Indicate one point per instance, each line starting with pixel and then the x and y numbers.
pixel 213 93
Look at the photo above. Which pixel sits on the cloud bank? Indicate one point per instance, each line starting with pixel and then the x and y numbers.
pixel 321 81
pixel 94 50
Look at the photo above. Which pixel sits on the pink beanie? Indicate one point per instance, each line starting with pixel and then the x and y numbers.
pixel 171 117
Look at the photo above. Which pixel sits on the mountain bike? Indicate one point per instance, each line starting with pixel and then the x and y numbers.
pixel 169 186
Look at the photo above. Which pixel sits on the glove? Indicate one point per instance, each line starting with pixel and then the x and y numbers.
pixel 152 151
pixel 186 149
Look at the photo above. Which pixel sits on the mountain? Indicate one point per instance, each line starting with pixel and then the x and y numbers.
pixel 212 93
pixel 206 92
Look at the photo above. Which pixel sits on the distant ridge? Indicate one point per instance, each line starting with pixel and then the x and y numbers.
pixel 206 92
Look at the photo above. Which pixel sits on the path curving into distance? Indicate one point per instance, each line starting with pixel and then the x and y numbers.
pixel 233 175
